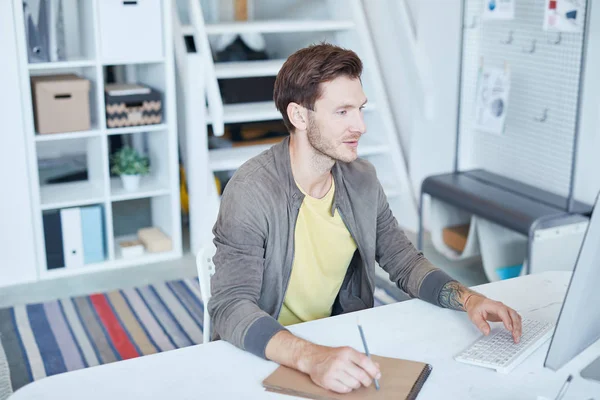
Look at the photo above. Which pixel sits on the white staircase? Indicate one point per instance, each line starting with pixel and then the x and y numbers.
pixel 287 26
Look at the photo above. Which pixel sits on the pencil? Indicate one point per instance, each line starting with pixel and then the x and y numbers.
pixel 364 340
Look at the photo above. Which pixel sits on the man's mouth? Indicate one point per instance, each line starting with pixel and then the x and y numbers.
pixel 351 143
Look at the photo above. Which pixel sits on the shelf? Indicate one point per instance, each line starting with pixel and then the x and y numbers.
pixel 149 187
pixel 67 135
pixel 133 62
pixel 120 262
pixel 85 154
pixel 229 159
pixel 248 112
pixel 273 26
pixel 147 258
pixel 136 129
pixel 246 69
pixel 61 65
pixel 70 194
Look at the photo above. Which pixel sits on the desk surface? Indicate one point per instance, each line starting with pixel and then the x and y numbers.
pixel 411 330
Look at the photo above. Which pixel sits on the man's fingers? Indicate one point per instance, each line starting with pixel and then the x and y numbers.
pixel 517 324
pixel 348 380
pixel 366 364
pixel 505 317
pixel 337 386
pixel 481 324
pixel 359 374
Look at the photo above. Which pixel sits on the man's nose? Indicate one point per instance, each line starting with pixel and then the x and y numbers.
pixel 358 125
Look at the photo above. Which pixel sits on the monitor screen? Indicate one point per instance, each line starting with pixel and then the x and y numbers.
pixel 578 323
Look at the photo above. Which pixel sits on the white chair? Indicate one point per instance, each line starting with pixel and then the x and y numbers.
pixel 206 269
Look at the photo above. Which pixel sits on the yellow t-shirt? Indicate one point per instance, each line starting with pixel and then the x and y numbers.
pixel 323 251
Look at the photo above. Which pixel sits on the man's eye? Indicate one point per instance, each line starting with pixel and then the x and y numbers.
pixel 342 112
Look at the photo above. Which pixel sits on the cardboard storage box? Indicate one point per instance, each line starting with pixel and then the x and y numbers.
pixel 132 105
pixel 455 237
pixel 61 103
pixel 154 240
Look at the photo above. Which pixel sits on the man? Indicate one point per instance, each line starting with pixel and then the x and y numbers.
pixel 301 226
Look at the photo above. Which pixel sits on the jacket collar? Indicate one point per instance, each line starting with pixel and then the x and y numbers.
pixel 281 153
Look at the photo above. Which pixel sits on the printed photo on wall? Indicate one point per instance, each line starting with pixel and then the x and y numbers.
pixel 564 15
pixel 491 100
pixel 499 9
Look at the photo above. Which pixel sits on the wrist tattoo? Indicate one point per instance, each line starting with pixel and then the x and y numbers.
pixel 452 295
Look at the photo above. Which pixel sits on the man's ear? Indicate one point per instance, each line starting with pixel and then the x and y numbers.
pixel 298 116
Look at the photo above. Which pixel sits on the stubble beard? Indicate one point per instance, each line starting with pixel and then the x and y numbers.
pixel 325 153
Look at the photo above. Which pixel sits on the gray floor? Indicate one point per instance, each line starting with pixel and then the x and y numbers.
pixel 468 273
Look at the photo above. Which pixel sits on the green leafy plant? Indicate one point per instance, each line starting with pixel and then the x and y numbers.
pixel 128 161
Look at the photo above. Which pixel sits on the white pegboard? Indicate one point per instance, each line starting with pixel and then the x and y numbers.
pixel 530 151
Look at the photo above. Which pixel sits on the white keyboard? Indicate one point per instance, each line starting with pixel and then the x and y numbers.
pixel 498 350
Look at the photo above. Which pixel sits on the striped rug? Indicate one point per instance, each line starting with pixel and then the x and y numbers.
pixel 73 333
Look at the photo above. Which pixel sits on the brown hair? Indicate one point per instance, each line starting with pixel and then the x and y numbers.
pixel 302 73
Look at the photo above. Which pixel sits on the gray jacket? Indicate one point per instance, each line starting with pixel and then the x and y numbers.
pixel 254 237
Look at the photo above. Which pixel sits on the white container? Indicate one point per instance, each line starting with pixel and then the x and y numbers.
pixel 130 30
pixel 131 183
pixel 131 249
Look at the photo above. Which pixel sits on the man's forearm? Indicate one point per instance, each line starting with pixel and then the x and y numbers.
pixel 454 296
pixel 286 349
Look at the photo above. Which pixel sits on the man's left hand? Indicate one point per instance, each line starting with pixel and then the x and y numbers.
pixel 480 309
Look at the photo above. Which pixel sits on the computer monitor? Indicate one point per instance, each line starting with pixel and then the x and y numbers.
pixel 578 324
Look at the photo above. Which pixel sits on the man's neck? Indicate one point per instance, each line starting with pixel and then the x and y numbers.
pixel 310 168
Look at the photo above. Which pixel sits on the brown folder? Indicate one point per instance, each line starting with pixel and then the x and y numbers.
pixel 400 379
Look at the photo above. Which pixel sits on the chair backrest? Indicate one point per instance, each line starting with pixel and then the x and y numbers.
pixel 206 269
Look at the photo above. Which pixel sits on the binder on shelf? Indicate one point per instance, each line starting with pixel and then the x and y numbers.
pixel 70 219
pixel 93 234
pixel 53 240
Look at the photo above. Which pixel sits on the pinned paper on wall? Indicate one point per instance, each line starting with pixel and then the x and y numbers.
pixel 499 9
pixel 491 101
pixel 564 15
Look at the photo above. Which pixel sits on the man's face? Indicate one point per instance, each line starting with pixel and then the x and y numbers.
pixel 337 123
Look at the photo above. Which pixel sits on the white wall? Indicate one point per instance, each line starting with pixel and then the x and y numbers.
pixel 17 247
pixel 428 144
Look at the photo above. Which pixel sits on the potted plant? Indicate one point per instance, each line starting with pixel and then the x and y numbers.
pixel 130 165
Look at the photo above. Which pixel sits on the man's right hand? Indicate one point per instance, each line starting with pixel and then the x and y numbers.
pixel 340 369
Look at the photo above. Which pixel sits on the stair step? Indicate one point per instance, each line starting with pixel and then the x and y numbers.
pixel 248 112
pixel 258 111
pixel 247 69
pixel 228 159
pixel 273 26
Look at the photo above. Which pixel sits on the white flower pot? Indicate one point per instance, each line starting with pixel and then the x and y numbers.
pixel 131 183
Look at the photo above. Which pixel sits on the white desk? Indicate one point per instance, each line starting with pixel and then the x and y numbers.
pixel 411 329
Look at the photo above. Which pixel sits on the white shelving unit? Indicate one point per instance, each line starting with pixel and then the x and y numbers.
pixel 160 189
pixel 286 27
